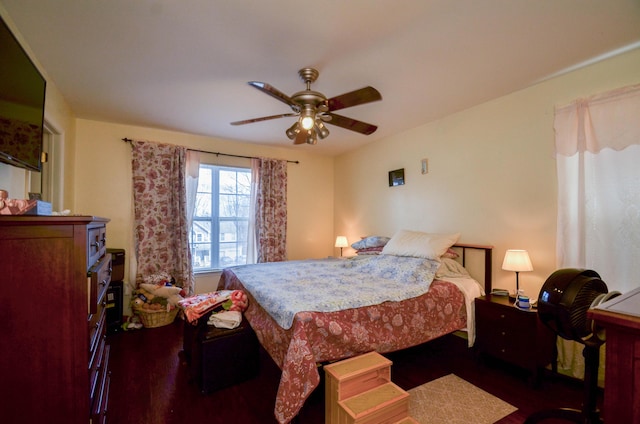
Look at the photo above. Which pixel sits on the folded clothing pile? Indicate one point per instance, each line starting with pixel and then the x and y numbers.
pixel 196 306
pixel 225 319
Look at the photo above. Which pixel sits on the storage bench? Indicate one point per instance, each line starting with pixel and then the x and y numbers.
pixel 220 357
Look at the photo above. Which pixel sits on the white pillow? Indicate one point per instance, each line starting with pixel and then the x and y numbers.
pixel 419 244
pixel 451 268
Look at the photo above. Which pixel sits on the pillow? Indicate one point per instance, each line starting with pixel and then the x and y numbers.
pixel 369 251
pixel 451 254
pixel 451 268
pixel 419 244
pixel 371 241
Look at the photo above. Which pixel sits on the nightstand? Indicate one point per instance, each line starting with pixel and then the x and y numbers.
pixel 514 335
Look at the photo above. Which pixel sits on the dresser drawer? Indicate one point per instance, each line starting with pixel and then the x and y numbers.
pixel 95 367
pixel 96 244
pixel 100 397
pixel 99 277
pixel 97 330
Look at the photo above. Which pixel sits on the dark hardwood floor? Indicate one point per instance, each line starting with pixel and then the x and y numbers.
pixel 150 382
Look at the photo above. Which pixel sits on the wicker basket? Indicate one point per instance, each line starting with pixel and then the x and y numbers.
pixel 153 319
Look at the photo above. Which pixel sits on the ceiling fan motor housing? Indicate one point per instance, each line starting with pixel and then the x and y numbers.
pixel 566 297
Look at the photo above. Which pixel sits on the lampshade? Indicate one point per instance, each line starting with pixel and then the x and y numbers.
pixel 293 131
pixel 321 130
pixel 341 241
pixel 517 260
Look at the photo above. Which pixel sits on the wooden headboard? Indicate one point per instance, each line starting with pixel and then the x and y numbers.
pixel 470 255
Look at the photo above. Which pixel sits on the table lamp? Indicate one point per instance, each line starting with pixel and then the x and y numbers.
pixel 517 260
pixel 341 241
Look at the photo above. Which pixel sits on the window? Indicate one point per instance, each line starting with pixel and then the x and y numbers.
pixel 218 236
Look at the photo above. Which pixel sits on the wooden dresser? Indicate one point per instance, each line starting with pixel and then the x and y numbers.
pixel 54 364
pixel 620 317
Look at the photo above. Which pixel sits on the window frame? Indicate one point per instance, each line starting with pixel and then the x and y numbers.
pixel 215 219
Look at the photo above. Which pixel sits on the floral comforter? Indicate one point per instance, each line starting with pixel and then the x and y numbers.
pixel 337 326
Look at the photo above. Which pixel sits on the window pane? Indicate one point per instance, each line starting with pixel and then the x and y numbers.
pixel 201 249
pixel 244 183
pixel 228 205
pixel 244 204
pixel 203 205
pixel 227 181
pixel 204 179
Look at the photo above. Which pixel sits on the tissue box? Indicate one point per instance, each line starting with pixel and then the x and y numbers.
pixel 38 207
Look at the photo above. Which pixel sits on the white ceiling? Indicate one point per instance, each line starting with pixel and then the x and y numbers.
pixel 184 65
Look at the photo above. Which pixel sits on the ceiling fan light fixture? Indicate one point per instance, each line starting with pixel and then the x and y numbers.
pixel 321 130
pixel 308 117
pixel 314 109
pixel 307 122
pixel 311 138
pixel 293 130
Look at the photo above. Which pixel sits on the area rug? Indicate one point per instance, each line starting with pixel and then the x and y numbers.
pixel 452 400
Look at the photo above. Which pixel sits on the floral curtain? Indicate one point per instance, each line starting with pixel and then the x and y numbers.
pixel 161 217
pixel 597 157
pixel 270 176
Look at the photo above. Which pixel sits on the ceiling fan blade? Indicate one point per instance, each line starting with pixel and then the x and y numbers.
pixel 264 118
pixel 354 98
pixel 301 138
pixel 351 124
pixel 275 93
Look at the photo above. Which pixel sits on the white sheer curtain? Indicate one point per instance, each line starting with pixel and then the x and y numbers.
pixel 191 183
pixel 598 165
pixel 252 243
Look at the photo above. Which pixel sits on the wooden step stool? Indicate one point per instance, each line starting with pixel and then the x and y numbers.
pixel 359 390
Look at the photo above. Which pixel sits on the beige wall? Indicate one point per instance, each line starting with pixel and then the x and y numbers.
pixel 492 174
pixel 103 186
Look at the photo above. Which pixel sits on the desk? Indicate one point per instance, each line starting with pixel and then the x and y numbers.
pixel 620 317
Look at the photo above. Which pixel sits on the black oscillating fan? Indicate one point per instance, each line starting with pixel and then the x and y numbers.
pixel 563 303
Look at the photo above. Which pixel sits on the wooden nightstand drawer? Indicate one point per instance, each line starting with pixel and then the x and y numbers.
pixel 513 335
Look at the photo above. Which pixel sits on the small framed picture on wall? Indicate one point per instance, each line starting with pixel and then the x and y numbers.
pixel 396 177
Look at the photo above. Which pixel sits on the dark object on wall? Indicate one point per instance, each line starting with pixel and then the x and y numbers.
pixel 396 177
pixel 563 303
pixel 22 93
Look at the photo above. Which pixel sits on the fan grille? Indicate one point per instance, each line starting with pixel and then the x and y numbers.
pixel 591 289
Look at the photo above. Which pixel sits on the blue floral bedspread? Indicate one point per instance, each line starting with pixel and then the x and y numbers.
pixel 327 285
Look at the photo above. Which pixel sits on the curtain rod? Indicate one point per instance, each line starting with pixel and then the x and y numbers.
pixel 128 140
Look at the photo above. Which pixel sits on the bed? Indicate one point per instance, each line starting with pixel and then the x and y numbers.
pixel 301 335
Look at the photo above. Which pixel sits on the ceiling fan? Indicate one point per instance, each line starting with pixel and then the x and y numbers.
pixel 313 109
